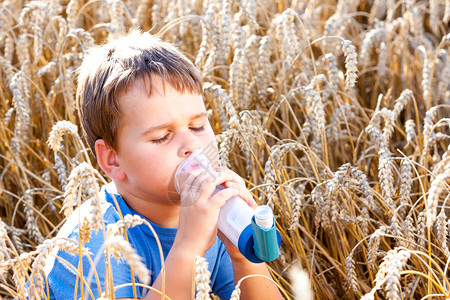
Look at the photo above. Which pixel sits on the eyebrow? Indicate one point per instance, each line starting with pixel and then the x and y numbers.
pixel 165 125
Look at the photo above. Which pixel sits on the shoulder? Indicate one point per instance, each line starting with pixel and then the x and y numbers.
pixel 108 213
pixel 62 267
pixel 71 227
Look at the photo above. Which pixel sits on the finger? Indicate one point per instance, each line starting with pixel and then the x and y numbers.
pixel 235 177
pixel 205 186
pixel 239 183
pixel 243 193
pixel 197 188
pixel 200 188
pixel 223 237
pixel 186 180
pixel 219 199
pixel 222 177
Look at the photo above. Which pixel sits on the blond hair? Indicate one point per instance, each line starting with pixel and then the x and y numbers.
pixel 108 70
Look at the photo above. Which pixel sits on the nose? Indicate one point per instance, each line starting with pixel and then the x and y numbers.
pixel 189 143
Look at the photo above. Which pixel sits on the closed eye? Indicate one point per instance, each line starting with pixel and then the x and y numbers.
pixel 198 129
pixel 161 140
pixel 166 137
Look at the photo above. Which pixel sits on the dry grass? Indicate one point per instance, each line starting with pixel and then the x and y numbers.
pixel 335 112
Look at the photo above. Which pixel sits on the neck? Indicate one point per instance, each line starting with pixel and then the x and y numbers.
pixel 164 213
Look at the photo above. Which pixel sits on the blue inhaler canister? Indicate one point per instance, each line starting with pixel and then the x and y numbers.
pixel 266 237
pixel 260 240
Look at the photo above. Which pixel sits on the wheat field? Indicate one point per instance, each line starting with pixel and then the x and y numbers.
pixel 336 113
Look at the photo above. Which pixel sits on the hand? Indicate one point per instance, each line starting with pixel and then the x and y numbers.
pixel 239 184
pixel 199 212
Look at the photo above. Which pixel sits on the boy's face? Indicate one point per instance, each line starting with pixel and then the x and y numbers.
pixel 156 134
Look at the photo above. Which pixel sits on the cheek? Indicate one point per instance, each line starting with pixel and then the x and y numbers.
pixel 210 136
pixel 162 165
pixel 209 145
pixel 145 161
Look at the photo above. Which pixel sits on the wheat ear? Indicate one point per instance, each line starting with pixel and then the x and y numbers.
pixel 406 184
pixel 437 186
pixel 43 251
pixel 31 220
pixel 58 130
pixel 301 284
pixel 351 273
pixel 202 278
pixel 78 173
pixel 119 247
pixel 121 226
pixel 3 248
pixel 351 63
pixel 21 100
pixel 389 272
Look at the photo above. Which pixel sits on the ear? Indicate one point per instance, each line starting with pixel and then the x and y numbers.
pixel 108 160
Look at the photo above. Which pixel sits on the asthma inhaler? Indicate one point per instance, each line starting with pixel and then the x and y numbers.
pixel 252 231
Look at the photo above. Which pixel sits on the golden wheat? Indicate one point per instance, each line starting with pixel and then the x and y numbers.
pixel 334 112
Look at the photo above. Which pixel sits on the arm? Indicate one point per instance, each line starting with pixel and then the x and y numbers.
pixel 254 287
pixel 197 231
pixel 178 275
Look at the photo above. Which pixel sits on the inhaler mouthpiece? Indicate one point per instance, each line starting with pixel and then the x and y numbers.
pixel 196 161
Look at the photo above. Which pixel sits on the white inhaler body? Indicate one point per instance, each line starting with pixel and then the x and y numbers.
pixel 235 216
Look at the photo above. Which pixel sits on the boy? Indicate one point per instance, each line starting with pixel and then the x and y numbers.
pixel 142 112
